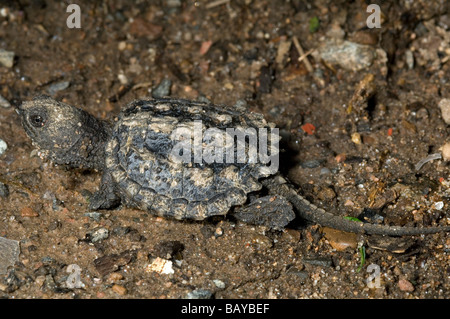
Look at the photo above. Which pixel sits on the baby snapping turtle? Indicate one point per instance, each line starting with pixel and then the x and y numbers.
pixel 175 158
pixel 161 155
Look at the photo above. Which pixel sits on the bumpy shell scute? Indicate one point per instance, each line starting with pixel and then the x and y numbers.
pixel 139 160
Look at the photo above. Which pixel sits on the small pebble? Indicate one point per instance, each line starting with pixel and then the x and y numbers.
pixel 219 283
pixel 241 105
pixel 4 12
pixel 3 147
pixel 115 276
pixel 319 261
pixel 446 151
pixel 163 89
pixel 405 285
pixel 4 190
pixel 302 274
pixel 340 158
pixel 50 283
pixel 119 289
pixel 99 235
pixel 206 45
pixel 348 55
pixel 9 254
pixel 40 280
pixel 122 78
pixel 218 232
pixel 48 260
pixel 94 215
pixel 57 204
pixel 160 265
pixel 228 86
pixel 409 57
pixel 28 212
pixel 58 86
pixel 356 138
pixel 438 205
pixel 6 58
pixel 311 163
pixel 199 294
pixel 4 102
pixel 122 45
pixel 444 105
pixel 340 240
pixel 173 3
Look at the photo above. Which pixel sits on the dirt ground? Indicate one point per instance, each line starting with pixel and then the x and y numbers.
pixel 353 132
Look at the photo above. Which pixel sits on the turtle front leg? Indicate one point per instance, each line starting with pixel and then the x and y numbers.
pixel 106 197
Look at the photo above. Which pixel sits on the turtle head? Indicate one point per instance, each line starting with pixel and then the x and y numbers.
pixel 63 133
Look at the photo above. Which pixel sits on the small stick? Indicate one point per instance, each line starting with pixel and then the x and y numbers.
pixel 216 3
pixel 19 186
pixel 300 59
pixel 141 85
pixel 302 54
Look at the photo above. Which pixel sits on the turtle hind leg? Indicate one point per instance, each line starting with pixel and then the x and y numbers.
pixel 106 197
pixel 273 211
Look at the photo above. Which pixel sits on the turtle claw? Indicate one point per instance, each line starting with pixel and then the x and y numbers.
pixel 101 201
pixel 105 197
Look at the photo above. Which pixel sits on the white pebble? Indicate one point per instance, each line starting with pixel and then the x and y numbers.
pixel 3 146
pixel 6 58
pixel 409 57
pixel 160 265
pixel 4 102
pixel 4 12
pixel 446 151
pixel 122 78
pixel 122 45
pixel 219 283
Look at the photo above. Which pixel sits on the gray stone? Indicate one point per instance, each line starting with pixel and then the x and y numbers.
pixel 99 235
pixel 348 55
pixel 163 89
pixel 4 190
pixel 219 283
pixel 319 261
pixel 9 254
pixel 199 294
pixel 58 86
pixel 94 215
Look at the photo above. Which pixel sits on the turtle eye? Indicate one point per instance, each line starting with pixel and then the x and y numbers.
pixel 37 120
